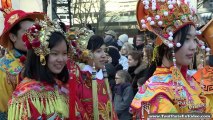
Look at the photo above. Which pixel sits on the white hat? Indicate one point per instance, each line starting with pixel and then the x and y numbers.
pixel 124 38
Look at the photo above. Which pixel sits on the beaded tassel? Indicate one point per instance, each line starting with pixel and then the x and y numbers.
pixel 108 91
pixel 95 95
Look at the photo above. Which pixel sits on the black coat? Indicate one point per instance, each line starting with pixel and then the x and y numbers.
pixel 136 73
pixel 122 101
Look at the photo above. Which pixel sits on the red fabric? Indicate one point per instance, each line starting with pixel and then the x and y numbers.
pixel 184 71
pixel 84 93
pixel 14 17
pixel 72 90
pixel 34 112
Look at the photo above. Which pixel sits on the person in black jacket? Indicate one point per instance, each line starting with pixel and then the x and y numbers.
pixel 136 68
pixel 123 95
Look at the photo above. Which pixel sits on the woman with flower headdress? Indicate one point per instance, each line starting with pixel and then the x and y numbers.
pixel 11 64
pixel 42 94
pixel 92 86
pixel 168 88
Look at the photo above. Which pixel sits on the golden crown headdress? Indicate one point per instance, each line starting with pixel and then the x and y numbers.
pixel 165 17
pixel 37 37
pixel 78 43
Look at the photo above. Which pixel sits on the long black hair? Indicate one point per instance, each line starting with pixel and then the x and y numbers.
pixel 34 70
pixel 95 42
pixel 164 50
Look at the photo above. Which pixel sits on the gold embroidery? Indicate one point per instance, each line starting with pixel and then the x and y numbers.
pixel 13 18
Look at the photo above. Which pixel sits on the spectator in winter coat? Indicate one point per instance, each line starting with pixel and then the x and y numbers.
pixel 123 95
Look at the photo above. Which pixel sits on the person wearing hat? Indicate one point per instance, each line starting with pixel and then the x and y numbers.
pixel 168 88
pixel 15 24
pixel 122 39
pixel 111 33
pixel 110 39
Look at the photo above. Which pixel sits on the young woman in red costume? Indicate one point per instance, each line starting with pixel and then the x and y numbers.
pixel 92 86
pixel 43 93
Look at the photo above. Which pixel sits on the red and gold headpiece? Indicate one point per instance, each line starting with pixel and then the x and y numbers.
pixel 78 43
pixel 164 18
pixel 37 37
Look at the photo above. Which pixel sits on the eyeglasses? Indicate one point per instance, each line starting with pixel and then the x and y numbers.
pixel 117 78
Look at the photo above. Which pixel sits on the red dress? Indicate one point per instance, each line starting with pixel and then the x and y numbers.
pixel 84 94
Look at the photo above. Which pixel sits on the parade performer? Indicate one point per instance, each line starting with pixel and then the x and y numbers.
pixel 43 93
pixel 168 88
pixel 92 86
pixel 204 76
pixel 15 24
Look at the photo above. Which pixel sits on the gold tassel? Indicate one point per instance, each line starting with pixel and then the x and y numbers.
pixel 42 105
pixel 17 112
pixel 9 112
pixel 155 55
pixel 13 111
pixel 38 105
pixel 28 109
pixel 52 107
pixel 21 111
pixel 42 60
pixel 47 107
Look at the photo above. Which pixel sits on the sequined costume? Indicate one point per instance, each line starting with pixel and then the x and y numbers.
pixel 158 95
pixel 38 100
pixel 84 93
pixel 10 67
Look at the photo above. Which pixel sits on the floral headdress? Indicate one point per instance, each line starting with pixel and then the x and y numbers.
pixel 37 37
pixel 165 17
pixel 78 42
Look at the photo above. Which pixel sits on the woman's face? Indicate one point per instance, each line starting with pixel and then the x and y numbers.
pixel 100 57
pixel 131 61
pixel 57 58
pixel 118 79
pixel 186 53
pixel 124 51
pixel 139 41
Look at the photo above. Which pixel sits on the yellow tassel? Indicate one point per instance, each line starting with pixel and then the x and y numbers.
pixel 47 107
pixel 155 55
pixel 9 112
pixel 42 105
pixel 21 111
pixel 38 105
pixel 28 109
pixel 52 107
pixel 42 59
pixel 53 103
pixel 13 111
pixel 17 111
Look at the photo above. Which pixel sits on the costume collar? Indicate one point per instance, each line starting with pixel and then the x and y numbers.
pixel 99 74
pixel 18 53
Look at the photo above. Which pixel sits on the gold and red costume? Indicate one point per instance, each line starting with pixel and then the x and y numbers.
pixel 84 94
pixel 38 100
pixel 157 95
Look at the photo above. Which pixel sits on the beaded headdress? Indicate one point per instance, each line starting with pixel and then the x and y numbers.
pixel 37 37
pixel 164 18
pixel 207 36
pixel 78 43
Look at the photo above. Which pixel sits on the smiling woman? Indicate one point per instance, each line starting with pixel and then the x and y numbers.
pixel 93 89
pixel 42 94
